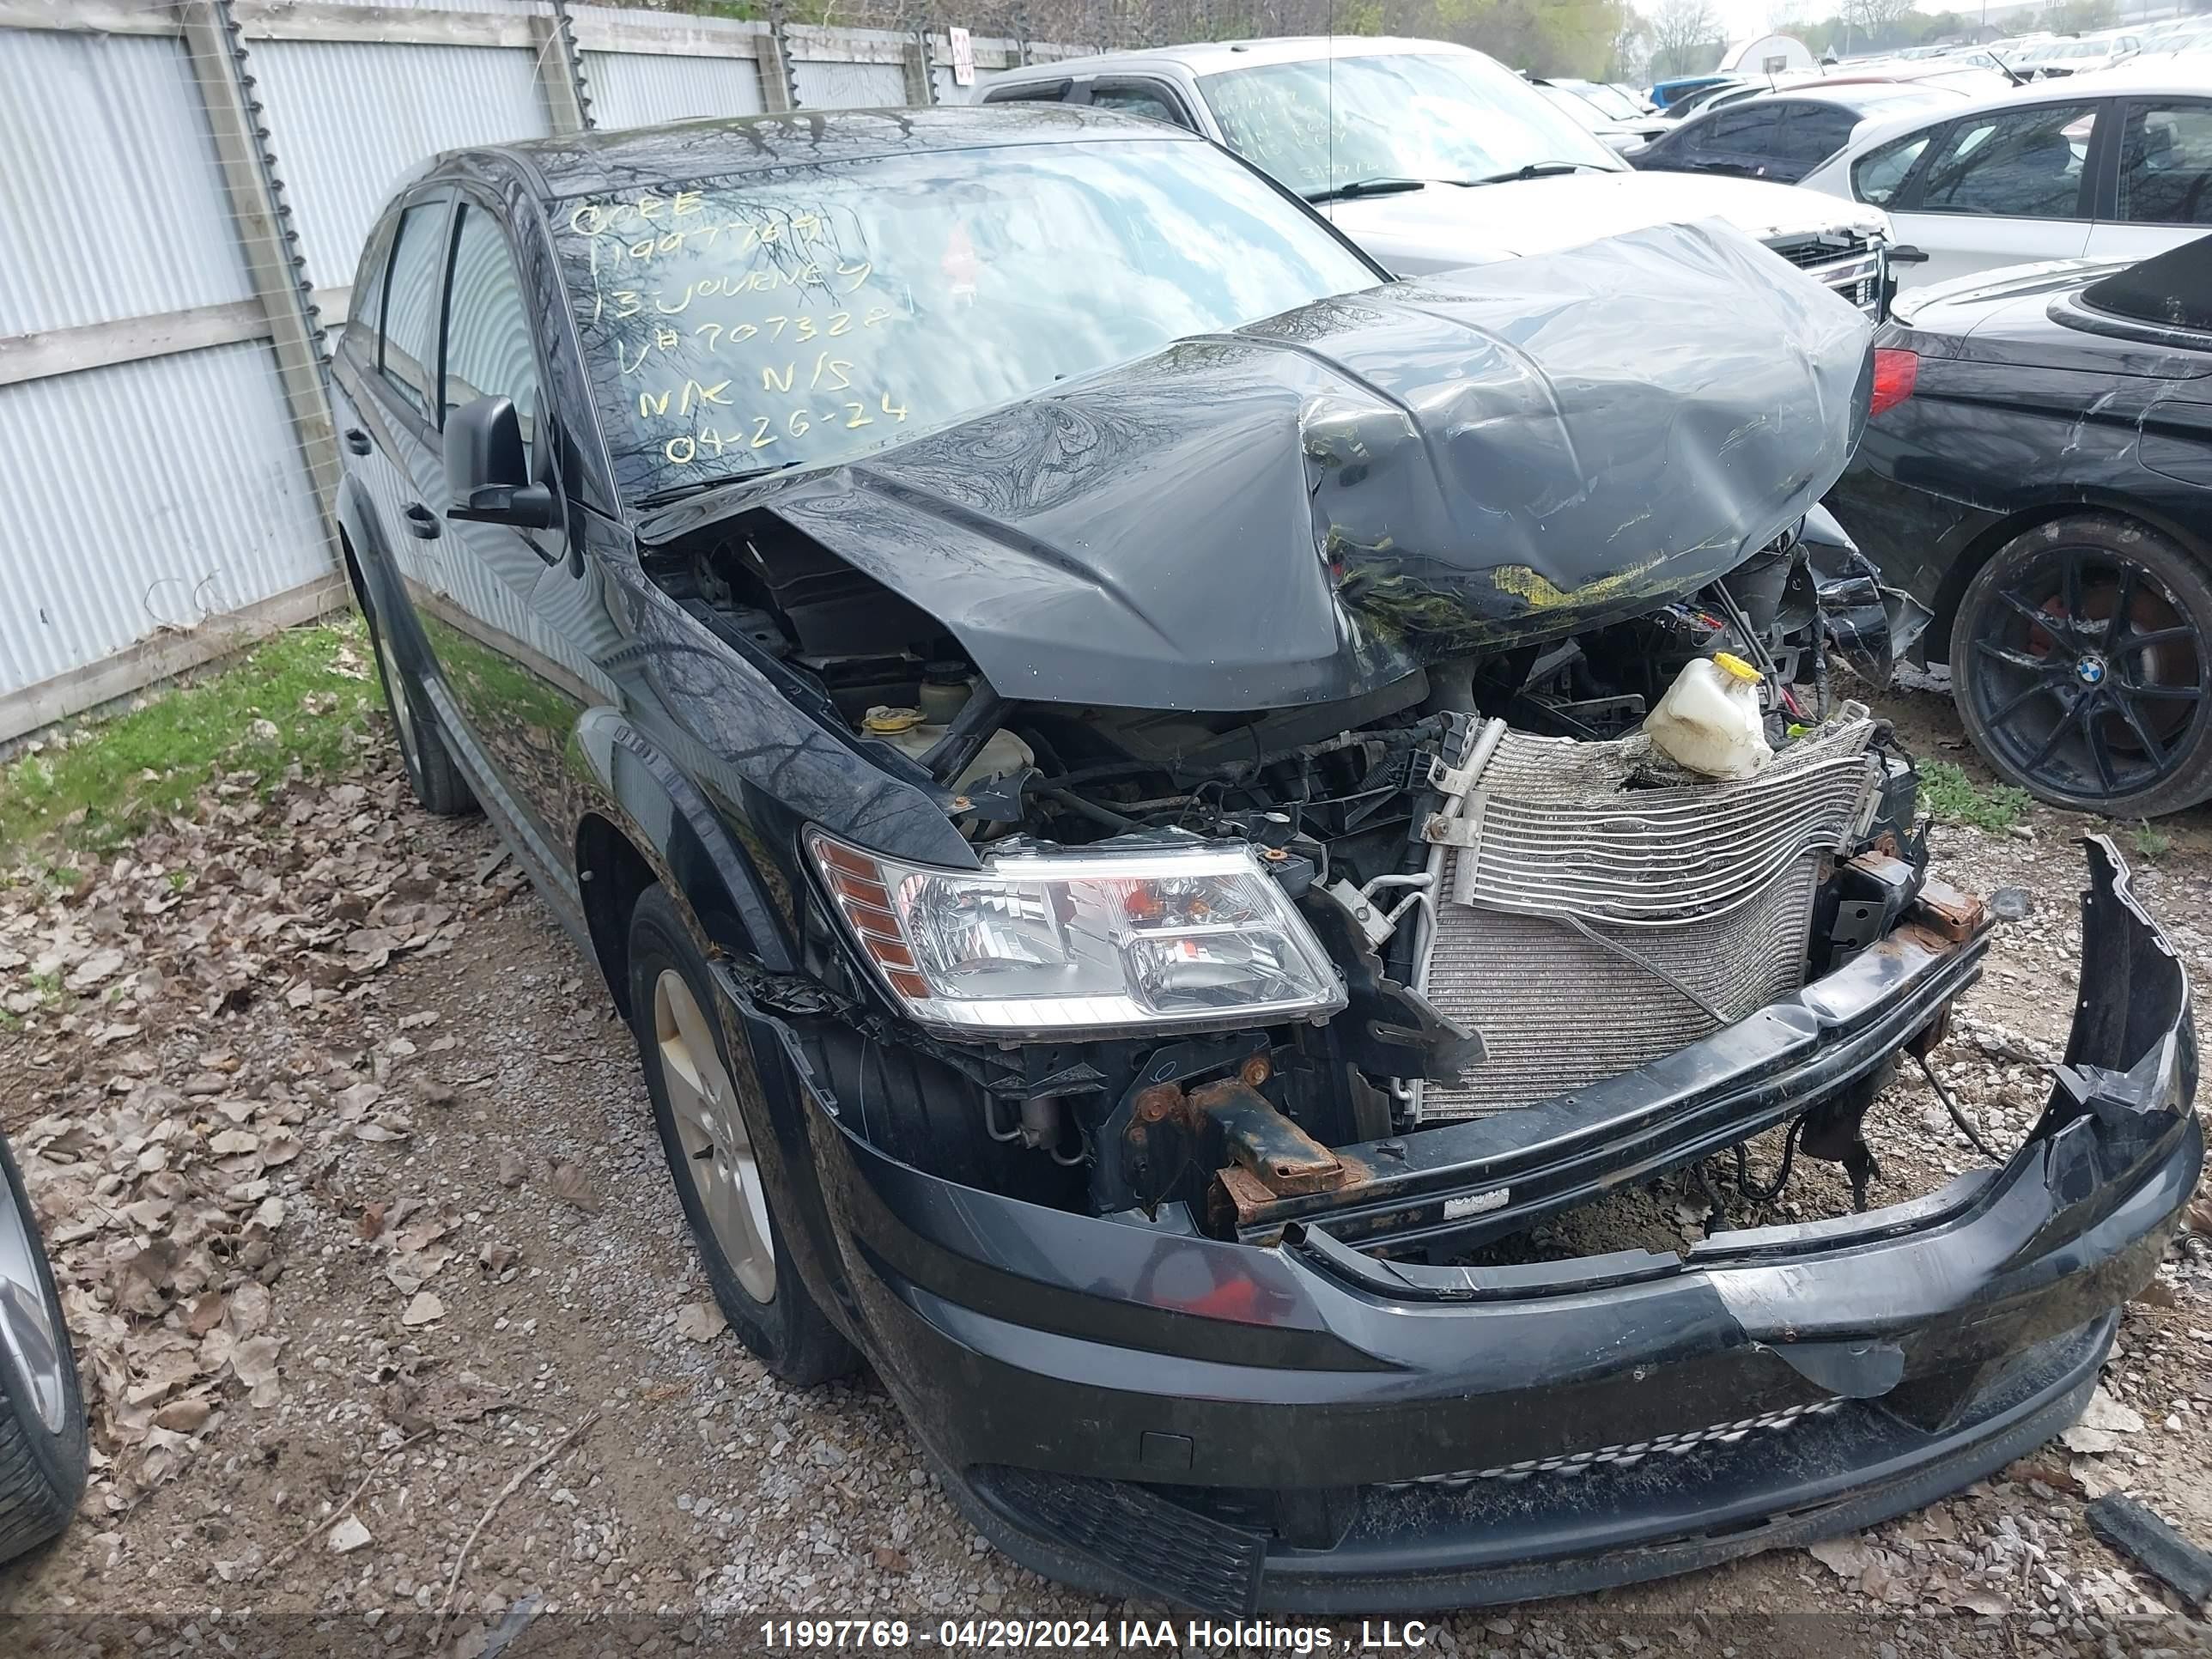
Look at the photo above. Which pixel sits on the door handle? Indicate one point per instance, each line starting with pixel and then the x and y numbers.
pixel 357 440
pixel 423 522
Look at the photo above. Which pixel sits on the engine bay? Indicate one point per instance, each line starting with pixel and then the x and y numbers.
pixel 1519 891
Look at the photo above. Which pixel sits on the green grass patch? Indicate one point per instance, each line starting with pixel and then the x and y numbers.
pixel 1952 796
pixel 301 698
pixel 2151 843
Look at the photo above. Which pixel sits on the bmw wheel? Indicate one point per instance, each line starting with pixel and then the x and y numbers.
pixel 2080 667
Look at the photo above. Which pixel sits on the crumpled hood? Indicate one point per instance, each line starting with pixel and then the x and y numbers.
pixel 1445 227
pixel 1316 505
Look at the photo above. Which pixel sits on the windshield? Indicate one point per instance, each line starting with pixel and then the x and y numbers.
pixel 1395 115
pixel 1585 113
pixel 1609 101
pixel 807 314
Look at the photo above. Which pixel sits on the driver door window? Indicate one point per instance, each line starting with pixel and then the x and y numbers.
pixel 487 346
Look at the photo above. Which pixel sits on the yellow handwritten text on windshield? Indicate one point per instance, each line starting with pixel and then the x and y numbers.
pixel 726 321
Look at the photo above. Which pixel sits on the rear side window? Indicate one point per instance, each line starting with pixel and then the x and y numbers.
pixel 410 310
pixel 1813 132
pixel 1877 175
pixel 2166 165
pixel 1742 132
pixel 2023 164
pixel 488 350
pixel 1137 101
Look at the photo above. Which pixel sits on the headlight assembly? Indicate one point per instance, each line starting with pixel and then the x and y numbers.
pixel 1082 945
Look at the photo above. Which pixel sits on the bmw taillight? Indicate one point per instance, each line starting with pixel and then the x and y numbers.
pixel 1894 371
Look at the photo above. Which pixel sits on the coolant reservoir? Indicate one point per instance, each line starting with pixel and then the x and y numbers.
pixel 906 729
pixel 1709 720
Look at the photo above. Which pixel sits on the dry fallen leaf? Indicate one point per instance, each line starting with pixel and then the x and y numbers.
pixel 2103 1411
pixel 1847 1557
pixel 372 1217
pixel 186 1416
pixel 699 1321
pixel 420 1235
pixel 568 1183
pixel 253 1362
pixel 423 1310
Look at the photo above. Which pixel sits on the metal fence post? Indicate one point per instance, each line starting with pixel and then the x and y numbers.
pixel 913 62
pixel 216 52
pixel 561 69
pixel 778 79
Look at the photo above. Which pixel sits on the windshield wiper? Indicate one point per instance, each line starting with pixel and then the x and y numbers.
pixel 1367 187
pixel 720 480
pixel 1539 170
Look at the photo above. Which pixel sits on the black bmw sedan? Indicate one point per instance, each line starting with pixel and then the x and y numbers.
pixel 1101 745
pixel 2038 470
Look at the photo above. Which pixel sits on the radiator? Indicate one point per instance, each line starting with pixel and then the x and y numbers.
pixel 1577 880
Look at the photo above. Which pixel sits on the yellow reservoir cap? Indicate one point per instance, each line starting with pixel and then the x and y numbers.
pixel 880 722
pixel 1735 667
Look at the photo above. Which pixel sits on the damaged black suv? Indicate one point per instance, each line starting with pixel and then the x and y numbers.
pixel 1129 775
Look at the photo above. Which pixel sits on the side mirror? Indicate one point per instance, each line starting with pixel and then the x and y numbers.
pixel 488 470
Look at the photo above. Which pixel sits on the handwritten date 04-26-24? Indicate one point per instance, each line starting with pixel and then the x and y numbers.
pixel 709 442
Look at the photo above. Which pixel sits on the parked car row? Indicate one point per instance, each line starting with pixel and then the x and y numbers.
pixel 1434 157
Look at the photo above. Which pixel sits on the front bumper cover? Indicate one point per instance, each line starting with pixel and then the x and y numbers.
pixel 1307 1428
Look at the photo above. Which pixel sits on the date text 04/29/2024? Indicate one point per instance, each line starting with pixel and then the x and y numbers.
pixel 1196 1635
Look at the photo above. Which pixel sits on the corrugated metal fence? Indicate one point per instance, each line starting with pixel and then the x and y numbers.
pixel 188 185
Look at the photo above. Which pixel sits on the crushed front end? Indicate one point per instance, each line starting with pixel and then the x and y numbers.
pixel 1145 1406
pixel 1243 1312
pixel 1315 917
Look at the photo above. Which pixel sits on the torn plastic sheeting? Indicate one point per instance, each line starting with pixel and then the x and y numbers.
pixel 1317 504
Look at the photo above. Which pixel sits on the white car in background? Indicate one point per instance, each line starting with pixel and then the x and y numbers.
pixel 1433 157
pixel 2114 166
pixel 2086 55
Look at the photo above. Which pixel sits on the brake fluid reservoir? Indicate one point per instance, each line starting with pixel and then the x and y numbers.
pixel 1709 720
pixel 906 729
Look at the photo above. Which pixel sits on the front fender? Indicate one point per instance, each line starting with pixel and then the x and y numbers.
pixel 693 853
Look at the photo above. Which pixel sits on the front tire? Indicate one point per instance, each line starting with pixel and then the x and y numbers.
pixel 708 1106
pixel 2082 666
pixel 44 1446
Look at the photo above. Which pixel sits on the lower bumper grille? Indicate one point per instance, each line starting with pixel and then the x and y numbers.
pixel 1627 1454
pixel 1586 926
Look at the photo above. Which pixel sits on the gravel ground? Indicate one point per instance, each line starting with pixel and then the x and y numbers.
pixel 395 1342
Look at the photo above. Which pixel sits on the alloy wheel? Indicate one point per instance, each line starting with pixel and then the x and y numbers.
pixel 2087 673
pixel 718 1155
pixel 27 1331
